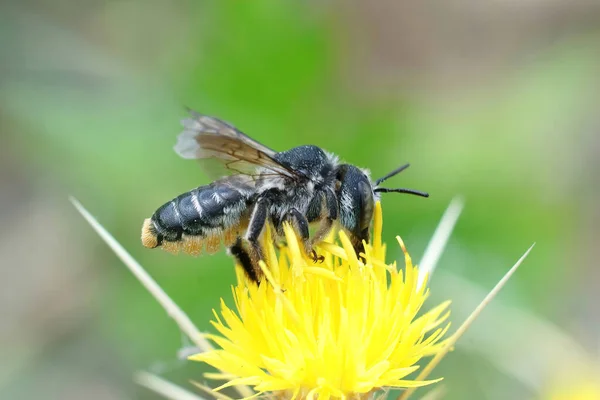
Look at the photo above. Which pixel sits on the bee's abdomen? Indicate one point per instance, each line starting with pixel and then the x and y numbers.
pixel 202 218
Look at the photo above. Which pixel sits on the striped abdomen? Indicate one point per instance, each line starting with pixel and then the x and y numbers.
pixel 201 218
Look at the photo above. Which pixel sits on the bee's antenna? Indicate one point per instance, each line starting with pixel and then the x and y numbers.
pixel 401 190
pixel 394 172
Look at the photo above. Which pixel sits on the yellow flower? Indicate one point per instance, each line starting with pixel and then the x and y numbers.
pixel 579 384
pixel 342 329
pixel 589 391
pixel 362 334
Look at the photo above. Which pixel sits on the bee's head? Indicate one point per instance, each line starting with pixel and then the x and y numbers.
pixel 357 196
pixel 356 202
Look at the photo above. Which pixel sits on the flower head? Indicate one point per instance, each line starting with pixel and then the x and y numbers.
pixel 589 390
pixel 340 329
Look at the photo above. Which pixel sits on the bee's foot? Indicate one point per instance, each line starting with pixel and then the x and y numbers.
pixel 316 258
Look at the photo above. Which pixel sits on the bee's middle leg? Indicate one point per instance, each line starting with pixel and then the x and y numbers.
pixel 300 224
pixel 248 251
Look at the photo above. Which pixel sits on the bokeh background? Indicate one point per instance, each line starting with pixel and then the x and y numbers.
pixel 495 101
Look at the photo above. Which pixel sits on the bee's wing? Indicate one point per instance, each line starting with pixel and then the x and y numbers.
pixel 210 139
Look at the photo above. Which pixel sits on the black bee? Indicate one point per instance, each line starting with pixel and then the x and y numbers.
pixel 301 186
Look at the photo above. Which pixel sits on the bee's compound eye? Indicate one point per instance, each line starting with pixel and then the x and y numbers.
pixel 367 205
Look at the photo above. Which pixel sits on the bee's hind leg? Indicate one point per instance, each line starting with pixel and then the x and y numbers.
pixel 247 250
pixel 300 224
pixel 243 258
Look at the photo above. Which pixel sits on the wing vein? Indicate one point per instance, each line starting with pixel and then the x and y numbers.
pixel 224 150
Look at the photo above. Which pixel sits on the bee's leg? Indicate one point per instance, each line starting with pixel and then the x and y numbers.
pixel 331 214
pixel 300 224
pixel 244 260
pixel 247 250
pixel 357 243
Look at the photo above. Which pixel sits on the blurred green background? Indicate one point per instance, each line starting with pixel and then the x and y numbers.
pixel 494 101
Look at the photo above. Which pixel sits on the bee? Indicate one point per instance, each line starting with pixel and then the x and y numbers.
pixel 254 186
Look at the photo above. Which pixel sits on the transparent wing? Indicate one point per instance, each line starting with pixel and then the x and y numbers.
pixel 224 150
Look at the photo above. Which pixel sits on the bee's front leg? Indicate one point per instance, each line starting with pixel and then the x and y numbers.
pixel 330 208
pixel 247 250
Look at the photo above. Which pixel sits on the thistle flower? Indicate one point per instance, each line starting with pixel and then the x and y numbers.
pixel 341 329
